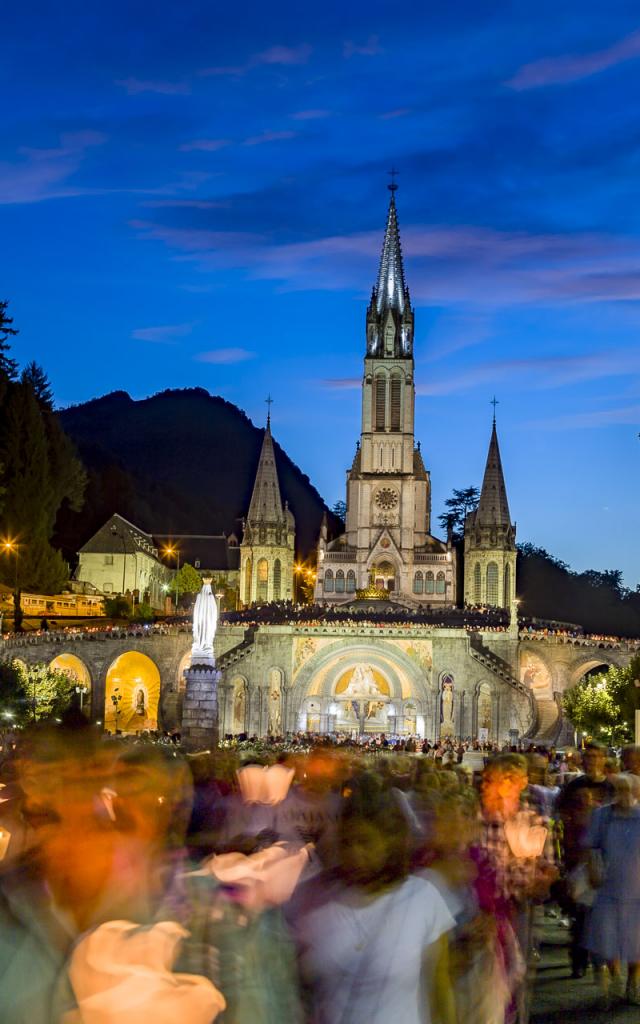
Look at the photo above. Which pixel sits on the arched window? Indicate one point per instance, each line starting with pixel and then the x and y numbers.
pixel 339 582
pixel 396 401
pixel 418 583
pixel 262 579
pixel 277 579
pixel 477 584
pixel 247 581
pixel 328 582
pixel 507 586
pixel 492 583
pixel 429 584
pixel 381 402
pixel 440 584
pixel 351 582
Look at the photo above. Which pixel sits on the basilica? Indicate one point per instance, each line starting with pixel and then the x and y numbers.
pixel 380 671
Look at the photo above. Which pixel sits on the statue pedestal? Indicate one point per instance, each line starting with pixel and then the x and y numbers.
pixel 200 707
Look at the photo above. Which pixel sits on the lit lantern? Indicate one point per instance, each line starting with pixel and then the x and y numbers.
pixel 524 839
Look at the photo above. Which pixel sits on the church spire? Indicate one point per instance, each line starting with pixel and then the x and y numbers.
pixel 493 508
pixel 266 503
pixel 390 316
pixel 391 291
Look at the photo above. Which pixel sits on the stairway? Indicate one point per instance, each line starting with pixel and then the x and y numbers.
pixel 500 668
pixel 550 721
pixel 239 651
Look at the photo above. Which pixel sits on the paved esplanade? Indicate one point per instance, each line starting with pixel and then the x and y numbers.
pixel 559 999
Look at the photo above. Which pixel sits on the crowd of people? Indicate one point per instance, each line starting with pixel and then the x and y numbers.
pixel 306 880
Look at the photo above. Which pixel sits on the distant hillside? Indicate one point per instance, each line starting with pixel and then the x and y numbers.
pixel 178 462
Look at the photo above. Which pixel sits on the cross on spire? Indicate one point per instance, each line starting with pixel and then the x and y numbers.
pixel 268 402
pixel 393 175
pixel 494 401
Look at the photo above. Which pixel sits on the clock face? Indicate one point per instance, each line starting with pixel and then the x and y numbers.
pixel 386 498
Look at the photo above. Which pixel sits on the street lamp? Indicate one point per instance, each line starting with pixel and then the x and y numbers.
pixel 115 532
pixel 10 547
pixel 173 552
pixel 81 691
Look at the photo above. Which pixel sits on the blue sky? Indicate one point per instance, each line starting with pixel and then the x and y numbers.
pixel 195 194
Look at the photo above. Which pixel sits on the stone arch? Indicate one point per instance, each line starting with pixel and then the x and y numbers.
pixel 590 667
pixel 262 580
pixel 75 667
pixel 277 579
pixel 477 584
pixel 134 680
pixel 493 591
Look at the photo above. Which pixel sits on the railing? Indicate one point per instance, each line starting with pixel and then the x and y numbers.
pixel 581 641
pixel 237 652
pixel 500 668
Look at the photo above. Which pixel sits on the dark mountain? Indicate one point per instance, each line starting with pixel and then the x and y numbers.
pixel 178 462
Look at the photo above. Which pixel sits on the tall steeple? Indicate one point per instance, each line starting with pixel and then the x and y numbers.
pixel 493 508
pixel 266 503
pixel 390 316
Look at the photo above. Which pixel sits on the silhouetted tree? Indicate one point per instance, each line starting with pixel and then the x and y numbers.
pixel 458 507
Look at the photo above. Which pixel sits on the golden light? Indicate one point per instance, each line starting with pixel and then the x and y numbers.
pixel 169 551
pixel 9 545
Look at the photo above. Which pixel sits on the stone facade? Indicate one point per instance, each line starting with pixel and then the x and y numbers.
pixel 122 559
pixel 289 677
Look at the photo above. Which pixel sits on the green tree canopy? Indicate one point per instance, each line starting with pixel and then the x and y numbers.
pixel 187 580
pixel 457 508
pixel 34 691
pixel 340 511
pixel 604 705
pixel 39 472
pixel 8 366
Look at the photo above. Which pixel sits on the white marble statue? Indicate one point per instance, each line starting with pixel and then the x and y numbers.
pixel 362 683
pixel 205 621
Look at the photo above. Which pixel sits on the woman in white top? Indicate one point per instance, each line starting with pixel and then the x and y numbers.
pixel 373 945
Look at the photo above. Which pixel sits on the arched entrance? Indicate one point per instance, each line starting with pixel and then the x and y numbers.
pixel 360 687
pixel 132 693
pixel 384 576
pixel 74 667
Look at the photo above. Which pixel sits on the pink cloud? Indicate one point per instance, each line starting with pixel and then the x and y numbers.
pixel 258 140
pixel 135 86
pixel 475 268
pixel 205 145
pixel 41 174
pixel 224 356
pixel 310 115
pixel 274 55
pixel 164 335
pixel 371 48
pixel 572 67
pixel 399 112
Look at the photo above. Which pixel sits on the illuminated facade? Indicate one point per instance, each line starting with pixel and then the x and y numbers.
pixel 268 542
pixel 388 536
pixel 490 540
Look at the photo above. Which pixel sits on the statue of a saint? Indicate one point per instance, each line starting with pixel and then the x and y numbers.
pixel 140 708
pixel 205 621
pixel 447 704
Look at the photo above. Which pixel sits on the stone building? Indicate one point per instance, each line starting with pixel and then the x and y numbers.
pixel 123 559
pixel 388 537
pixel 490 540
pixel 268 542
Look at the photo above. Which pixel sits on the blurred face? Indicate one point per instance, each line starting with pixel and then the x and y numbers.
pixel 501 788
pixel 631 761
pixel 364 851
pixel 593 763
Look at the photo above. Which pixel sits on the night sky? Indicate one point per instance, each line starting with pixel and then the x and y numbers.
pixel 195 194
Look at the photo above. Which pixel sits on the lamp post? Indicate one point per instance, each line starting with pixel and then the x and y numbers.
pixel 115 532
pixel 10 547
pixel 172 552
pixel 81 691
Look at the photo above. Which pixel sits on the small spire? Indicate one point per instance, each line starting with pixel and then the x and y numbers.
pixel 494 401
pixel 391 288
pixel 393 174
pixel 493 507
pixel 268 402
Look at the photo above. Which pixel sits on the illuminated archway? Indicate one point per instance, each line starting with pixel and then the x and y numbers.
pixel 74 667
pixel 134 680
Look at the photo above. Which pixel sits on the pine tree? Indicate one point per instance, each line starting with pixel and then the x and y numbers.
pixel 8 366
pixel 36 378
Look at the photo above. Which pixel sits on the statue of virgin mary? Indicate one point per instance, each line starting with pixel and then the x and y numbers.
pixel 205 621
